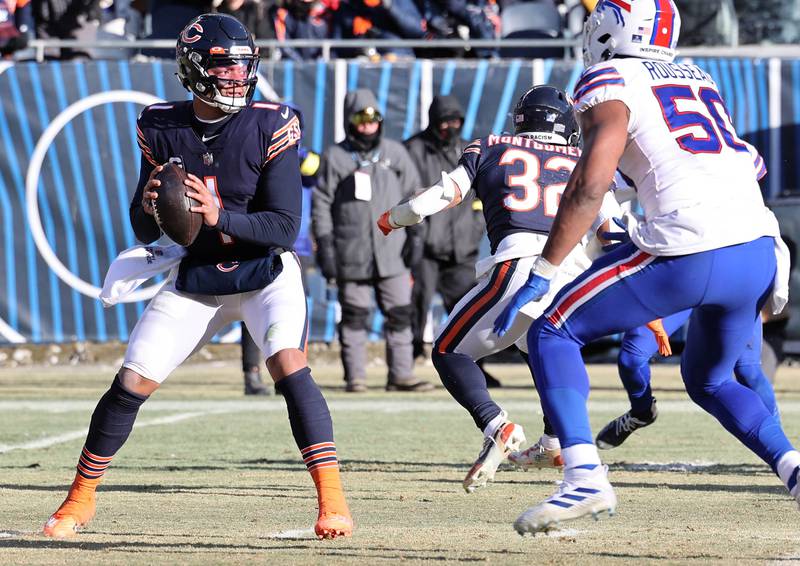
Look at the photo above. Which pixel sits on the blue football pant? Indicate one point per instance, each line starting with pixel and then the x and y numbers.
pixel 628 288
pixel 639 346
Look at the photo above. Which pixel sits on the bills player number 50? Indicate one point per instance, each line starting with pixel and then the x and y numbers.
pixel 713 118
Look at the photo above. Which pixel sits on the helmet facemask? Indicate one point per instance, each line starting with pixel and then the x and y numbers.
pixel 224 80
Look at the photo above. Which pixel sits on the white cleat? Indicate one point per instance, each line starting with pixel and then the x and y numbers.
pixel 537 456
pixel 508 438
pixel 589 495
pixel 795 490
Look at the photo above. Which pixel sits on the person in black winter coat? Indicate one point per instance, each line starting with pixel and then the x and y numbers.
pixel 358 178
pixel 451 238
pixel 378 19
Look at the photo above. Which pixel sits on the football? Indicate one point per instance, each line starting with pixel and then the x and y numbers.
pixel 173 208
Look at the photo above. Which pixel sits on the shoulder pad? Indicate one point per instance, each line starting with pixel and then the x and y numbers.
pixel 286 130
pixel 473 147
pixel 595 77
pixel 163 115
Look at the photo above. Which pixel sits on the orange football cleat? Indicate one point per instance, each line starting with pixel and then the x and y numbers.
pixel 334 518
pixel 334 524
pixel 76 511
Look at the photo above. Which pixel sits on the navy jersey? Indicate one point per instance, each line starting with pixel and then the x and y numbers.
pixel 519 181
pixel 250 165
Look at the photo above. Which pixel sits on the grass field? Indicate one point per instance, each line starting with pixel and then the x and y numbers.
pixel 209 477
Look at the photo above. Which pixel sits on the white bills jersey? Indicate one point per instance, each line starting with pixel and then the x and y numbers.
pixel 697 181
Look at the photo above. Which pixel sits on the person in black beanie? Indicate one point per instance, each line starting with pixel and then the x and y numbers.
pixel 450 239
pixel 358 179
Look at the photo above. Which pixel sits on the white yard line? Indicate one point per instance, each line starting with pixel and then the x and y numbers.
pixel 562 533
pixel 362 405
pixel 294 534
pixel 76 434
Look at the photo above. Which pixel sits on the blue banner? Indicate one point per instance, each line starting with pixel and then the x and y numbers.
pixel 70 160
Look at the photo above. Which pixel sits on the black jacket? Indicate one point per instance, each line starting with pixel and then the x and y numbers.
pixel 347 223
pixel 454 234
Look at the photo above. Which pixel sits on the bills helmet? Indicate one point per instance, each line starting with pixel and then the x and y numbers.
pixel 545 114
pixel 215 52
pixel 635 28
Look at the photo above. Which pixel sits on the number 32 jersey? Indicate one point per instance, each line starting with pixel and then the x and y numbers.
pixel 697 181
pixel 519 182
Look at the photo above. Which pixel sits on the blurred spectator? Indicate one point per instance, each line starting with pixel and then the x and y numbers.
pixel 301 19
pixel 16 25
pixel 66 19
pixel 574 13
pixel 378 19
pixel 169 17
pixel 712 22
pixel 459 19
pixel 254 14
pixel 451 238
pixel 309 166
pixel 534 19
pixel 359 178
pixel 768 21
pixel 251 367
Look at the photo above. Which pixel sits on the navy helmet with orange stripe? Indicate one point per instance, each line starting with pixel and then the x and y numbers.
pixel 217 61
pixel 647 29
pixel 545 113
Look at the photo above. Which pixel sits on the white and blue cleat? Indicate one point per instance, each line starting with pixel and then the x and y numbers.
pixel 589 495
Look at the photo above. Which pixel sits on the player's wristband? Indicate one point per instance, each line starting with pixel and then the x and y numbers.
pixel 544 268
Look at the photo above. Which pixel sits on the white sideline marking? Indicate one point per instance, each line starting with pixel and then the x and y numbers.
pixel 696 466
pixel 15 534
pixel 75 434
pixel 364 405
pixel 560 533
pixel 294 534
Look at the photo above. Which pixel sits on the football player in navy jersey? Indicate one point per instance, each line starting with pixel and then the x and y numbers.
pixel 519 179
pixel 243 171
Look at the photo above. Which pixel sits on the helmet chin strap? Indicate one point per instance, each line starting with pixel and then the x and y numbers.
pixel 545 137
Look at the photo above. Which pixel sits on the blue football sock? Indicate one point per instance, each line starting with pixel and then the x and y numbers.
pixel 309 418
pixel 112 422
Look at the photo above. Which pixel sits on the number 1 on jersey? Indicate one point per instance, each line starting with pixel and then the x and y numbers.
pixel 211 185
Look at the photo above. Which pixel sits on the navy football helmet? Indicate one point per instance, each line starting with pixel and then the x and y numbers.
pixel 215 41
pixel 547 111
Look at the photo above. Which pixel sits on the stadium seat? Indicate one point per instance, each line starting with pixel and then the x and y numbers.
pixel 713 22
pixel 535 19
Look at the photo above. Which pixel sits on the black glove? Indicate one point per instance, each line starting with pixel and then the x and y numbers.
pixel 413 246
pixel 326 257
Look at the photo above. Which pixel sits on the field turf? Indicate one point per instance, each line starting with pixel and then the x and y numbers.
pixel 211 477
